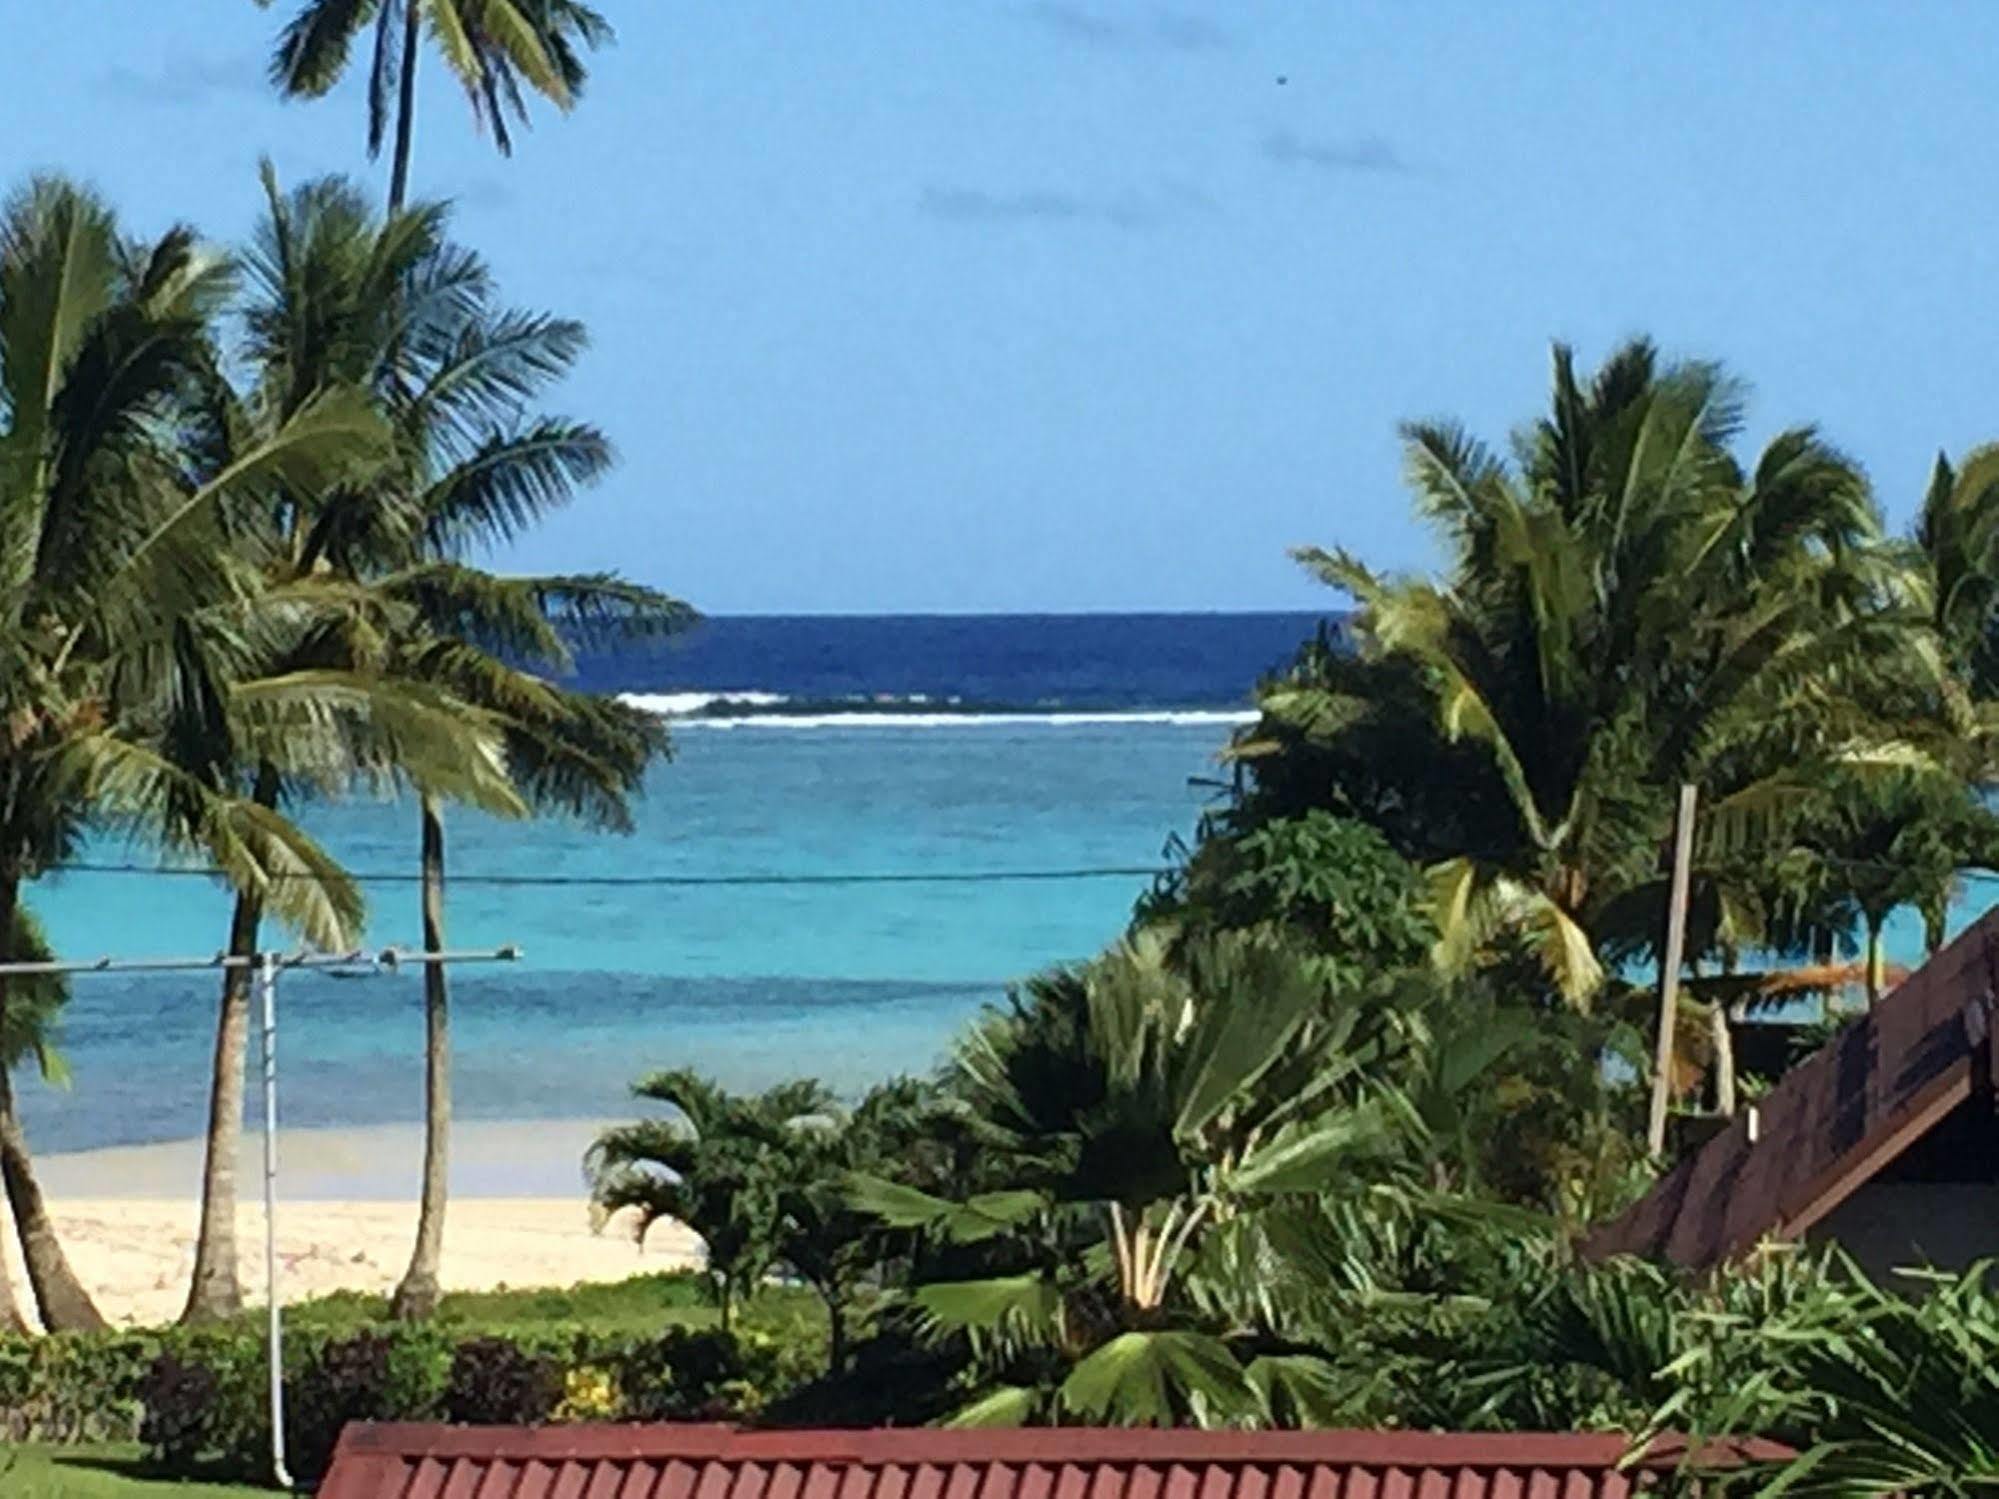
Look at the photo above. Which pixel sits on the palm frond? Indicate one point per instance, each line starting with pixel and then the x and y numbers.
pixel 30 1016
pixel 509 482
pixel 58 275
pixel 313 48
pixel 319 723
pixel 257 850
pixel 1161 1379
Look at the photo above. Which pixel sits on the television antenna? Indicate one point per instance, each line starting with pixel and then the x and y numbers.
pixel 265 968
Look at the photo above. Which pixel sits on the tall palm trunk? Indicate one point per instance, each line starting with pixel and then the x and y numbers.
pixel 417 1296
pixel 836 1335
pixel 11 1318
pixel 1877 961
pixel 399 170
pixel 59 1296
pixel 217 1291
pixel 1935 914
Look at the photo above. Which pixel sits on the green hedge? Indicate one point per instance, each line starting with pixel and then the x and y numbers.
pixel 73 1388
pixel 196 1398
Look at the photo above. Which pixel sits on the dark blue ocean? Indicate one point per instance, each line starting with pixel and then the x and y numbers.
pixel 805 748
pixel 1072 663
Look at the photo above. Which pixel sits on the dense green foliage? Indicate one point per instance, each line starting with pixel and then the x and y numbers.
pixel 1313 1145
pixel 1624 605
pixel 647 1348
pixel 1374 1316
pixel 762 1180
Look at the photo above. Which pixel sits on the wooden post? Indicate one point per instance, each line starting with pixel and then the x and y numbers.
pixel 1669 970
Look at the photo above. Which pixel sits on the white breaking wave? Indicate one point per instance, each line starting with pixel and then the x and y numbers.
pixel 681 704
pixel 895 720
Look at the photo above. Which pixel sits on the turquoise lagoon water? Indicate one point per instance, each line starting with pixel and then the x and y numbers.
pixel 850 983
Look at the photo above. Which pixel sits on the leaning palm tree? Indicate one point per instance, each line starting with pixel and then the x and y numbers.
pixel 119 632
pixel 494 48
pixel 33 1004
pixel 482 470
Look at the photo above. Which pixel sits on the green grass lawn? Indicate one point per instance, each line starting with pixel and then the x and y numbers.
pixel 112 1472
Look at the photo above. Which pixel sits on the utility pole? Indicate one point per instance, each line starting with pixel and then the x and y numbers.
pixel 265 967
pixel 1669 970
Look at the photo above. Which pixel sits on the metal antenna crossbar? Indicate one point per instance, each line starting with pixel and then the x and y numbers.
pixel 265 968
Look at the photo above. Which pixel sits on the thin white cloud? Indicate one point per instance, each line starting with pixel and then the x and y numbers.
pixel 185 79
pixel 1157 27
pixel 1132 210
pixel 1360 153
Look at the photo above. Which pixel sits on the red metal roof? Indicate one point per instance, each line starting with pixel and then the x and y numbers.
pixel 1831 1122
pixel 709 1462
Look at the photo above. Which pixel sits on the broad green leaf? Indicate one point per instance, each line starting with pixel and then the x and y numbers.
pixel 1299 1390
pixel 977 1218
pixel 1008 1406
pixel 1160 1379
pixel 1014 1306
pixel 1310 1158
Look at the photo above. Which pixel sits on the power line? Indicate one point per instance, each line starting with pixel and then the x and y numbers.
pixel 697 881
pixel 648 881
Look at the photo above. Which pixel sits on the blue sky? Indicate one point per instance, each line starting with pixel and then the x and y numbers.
pixel 996 304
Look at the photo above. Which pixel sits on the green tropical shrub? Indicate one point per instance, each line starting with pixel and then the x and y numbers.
pixel 497 1382
pixel 71 1387
pixel 688 1375
pixel 196 1399
pixel 179 1396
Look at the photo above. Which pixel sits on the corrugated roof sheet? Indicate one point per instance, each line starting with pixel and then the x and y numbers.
pixel 1830 1123
pixel 706 1462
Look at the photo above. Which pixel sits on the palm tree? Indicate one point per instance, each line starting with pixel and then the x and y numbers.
pixel 390 307
pixel 569 754
pixel 32 1006
pixel 494 48
pixel 496 642
pixel 1140 1109
pixel 330 294
pixel 1621 609
pixel 1957 546
pixel 718 1167
pixel 119 592
pixel 1871 844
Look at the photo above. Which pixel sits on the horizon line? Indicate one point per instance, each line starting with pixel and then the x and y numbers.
pixel 1079 613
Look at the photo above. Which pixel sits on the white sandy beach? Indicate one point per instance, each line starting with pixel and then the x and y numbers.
pixel 346 1216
